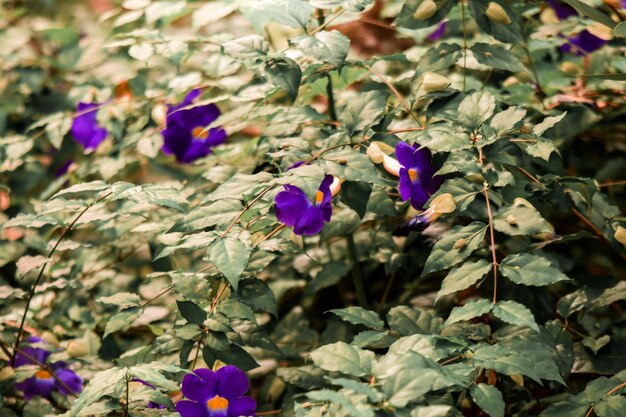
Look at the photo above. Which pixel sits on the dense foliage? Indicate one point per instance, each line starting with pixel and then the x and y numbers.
pixel 374 208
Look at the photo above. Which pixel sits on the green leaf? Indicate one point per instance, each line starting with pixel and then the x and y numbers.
pixel 230 256
pixel 192 312
pixel 547 123
pixel 111 382
pixel 356 195
pixel 350 164
pixel 255 293
pixel 469 311
pixel 440 57
pixel 248 47
pixel 520 221
pixel 122 320
pixel 488 398
pixel 234 355
pixel 406 321
pixel 454 246
pixel 464 277
pixel 508 33
pixel 408 385
pixel 496 56
pixel 163 9
pixel 220 212
pixel 406 18
pixel 363 111
pixel 570 407
pixel 331 47
pixel 620 30
pixel 611 406
pixel 330 275
pixel 507 119
pixel 592 13
pixel 476 108
pixel 527 269
pixel 293 13
pixel 344 358
pixel 284 73
pixel 122 299
pixel 571 303
pixel 355 6
pixel 515 313
pixel 84 187
pixel 443 138
pixel 359 315
pixel 432 411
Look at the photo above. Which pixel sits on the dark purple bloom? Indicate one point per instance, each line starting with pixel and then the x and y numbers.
pixel 438 33
pixel 187 135
pixel 85 128
pixel 216 394
pixel 63 169
pixel 43 382
pixel 583 43
pixel 294 209
pixel 417 182
pixel 562 10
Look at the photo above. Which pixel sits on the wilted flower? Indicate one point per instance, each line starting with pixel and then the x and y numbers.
pixel 294 209
pixel 187 135
pixel 438 33
pixel 85 128
pixel 216 394
pixel 43 383
pixel 417 180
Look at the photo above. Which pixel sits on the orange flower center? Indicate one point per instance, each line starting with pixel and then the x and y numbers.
pixel 200 132
pixel 217 403
pixel 319 197
pixel 413 174
pixel 43 374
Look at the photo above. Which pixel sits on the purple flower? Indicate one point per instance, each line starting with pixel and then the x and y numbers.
pixel 64 168
pixel 186 135
pixel 43 382
pixel 562 10
pixel 417 182
pixel 583 43
pixel 294 209
pixel 85 128
pixel 216 394
pixel 438 33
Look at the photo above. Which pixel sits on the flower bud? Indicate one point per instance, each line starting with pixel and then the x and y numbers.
pixel 159 113
pixel 459 243
pixel 496 13
pixel 6 373
pixel 77 349
pixel 434 82
pixel 570 68
pixel 50 338
pixel 511 220
pixel 620 235
pixel 5 200
pixel 375 154
pixel 443 203
pixel 425 10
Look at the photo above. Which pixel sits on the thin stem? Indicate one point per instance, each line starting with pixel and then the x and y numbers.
pixel 464 44
pixel 332 111
pixel 395 92
pixel 612 183
pixel 533 68
pixel 162 293
pixel 388 287
pixel 195 359
pixel 127 395
pixel 494 259
pixel 357 275
pixel 613 391
pixel 408 129
pixel 246 208
pixel 328 22
pixel 43 268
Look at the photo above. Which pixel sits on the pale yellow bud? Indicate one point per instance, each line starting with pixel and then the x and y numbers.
pixel 496 13
pixel 511 219
pixel 620 235
pixel 571 68
pixel 459 243
pixel 50 338
pixel 434 82
pixel 443 203
pixel 425 10
pixel 159 113
pixel 375 154
pixel 6 373
pixel 77 349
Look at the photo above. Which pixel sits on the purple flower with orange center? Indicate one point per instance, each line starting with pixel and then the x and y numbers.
pixel 85 128
pixel 416 172
pixel 294 209
pixel 43 383
pixel 216 394
pixel 187 135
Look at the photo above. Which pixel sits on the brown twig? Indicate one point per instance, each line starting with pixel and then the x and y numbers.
pixel 494 259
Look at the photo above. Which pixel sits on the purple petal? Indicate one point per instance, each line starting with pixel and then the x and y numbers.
pixel 290 205
pixel 563 11
pixel 438 32
pixel 311 222
pixel 296 165
pixel 33 387
pixel 405 184
pixel 419 196
pixel 192 409
pixel 583 42
pixel 243 406
pixel 85 128
pixel 404 154
pixel 41 355
pixel 232 382
pixel 201 386
pixel 71 380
